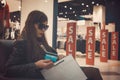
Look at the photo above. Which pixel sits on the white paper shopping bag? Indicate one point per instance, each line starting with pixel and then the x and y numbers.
pixel 64 69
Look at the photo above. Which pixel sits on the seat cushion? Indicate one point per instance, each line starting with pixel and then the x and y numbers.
pixel 2 59
pixel 6 47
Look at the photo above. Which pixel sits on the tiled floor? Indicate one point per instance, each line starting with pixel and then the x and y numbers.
pixel 109 70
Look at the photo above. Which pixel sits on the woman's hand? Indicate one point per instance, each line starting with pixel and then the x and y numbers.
pixel 44 63
pixel 61 56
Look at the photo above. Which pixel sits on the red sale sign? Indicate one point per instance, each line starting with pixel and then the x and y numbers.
pixel 114 46
pixel 104 45
pixel 90 45
pixel 71 39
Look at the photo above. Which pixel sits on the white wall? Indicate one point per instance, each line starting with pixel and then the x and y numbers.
pixel 99 15
pixel 46 7
pixel 110 27
pixel 14 5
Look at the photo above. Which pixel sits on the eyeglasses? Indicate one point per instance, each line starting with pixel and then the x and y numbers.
pixel 42 26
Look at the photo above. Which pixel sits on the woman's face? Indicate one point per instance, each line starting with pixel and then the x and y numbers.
pixel 40 29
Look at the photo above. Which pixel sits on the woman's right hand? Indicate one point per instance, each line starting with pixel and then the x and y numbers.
pixel 44 63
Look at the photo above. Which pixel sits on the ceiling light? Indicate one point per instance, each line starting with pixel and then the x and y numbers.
pixel 70 8
pixel 93 2
pixel 61 13
pixel 83 4
pixel 87 5
pixel 97 4
pixel 65 12
pixel 84 10
pixel 65 16
pixel 65 6
pixel 73 11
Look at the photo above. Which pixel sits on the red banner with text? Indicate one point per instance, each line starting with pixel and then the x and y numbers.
pixel 71 39
pixel 114 45
pixel 90 45
pixel 104 45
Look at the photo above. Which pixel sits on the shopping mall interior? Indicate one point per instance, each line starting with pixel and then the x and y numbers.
pixel 101 14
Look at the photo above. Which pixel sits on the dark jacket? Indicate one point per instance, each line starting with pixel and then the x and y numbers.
pixel 18 64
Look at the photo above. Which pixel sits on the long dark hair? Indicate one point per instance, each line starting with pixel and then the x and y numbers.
pixel 29 34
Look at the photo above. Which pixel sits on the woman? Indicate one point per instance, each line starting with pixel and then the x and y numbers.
pixel 28 56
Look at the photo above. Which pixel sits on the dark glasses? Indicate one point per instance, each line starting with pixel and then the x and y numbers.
pixel 42 26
